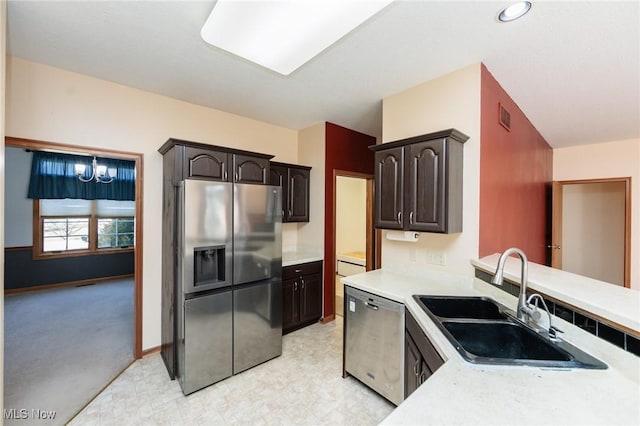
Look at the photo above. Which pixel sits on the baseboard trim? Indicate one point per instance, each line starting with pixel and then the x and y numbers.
pixel 151 351
pixel 12 291
pixel 328 318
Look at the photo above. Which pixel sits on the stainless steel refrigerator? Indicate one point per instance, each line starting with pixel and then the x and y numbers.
pixel 229 307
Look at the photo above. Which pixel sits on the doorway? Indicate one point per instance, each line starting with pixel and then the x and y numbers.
pixel 137 158
pixel 591 232
pixel 112 305
pixel 353 231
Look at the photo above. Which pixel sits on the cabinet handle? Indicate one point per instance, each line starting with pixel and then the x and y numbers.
pixel 416 372
pixel 290 212
pixel 237 177
pixel 295 286
pixel 302 280
pixel 226 175
pixel 411 217
pixel 399 218
pixel 298 271
pixel 555 247
pixel 422 378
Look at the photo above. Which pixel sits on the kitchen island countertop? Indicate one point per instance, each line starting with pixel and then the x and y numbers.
pixel 463 393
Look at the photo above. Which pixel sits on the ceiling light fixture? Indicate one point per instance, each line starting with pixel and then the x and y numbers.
pixel 514 11
pixel 101 174
pixel 284 34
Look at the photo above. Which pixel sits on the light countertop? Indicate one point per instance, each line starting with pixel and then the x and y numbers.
pixel 463 393
pixel 618 304
pixel 295 256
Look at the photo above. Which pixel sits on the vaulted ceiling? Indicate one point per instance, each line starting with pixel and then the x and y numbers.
pixel 572 67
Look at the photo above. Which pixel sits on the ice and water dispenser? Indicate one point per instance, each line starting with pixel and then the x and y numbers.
pixel 209 265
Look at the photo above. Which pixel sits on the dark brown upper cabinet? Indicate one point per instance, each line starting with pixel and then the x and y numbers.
pixel 295 182
pixel 418 183
pixel 194 160
pixel 206 164
pixel 249 169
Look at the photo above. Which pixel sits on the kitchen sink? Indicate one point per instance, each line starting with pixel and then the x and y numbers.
pixel 485 332
pixel 462 307
pixel 503 340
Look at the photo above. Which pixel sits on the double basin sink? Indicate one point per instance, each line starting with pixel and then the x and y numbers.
pixel 485 332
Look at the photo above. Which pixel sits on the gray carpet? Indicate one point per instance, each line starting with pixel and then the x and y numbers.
pixel 63 346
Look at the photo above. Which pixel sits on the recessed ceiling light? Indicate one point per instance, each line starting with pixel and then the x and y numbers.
pixel 284 34
pixel 514 11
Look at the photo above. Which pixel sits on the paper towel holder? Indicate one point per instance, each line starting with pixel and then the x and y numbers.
pixel 406 236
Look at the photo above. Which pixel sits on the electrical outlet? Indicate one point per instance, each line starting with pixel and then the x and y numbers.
pixel 435 257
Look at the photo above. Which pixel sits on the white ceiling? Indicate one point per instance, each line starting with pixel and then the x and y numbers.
pixel 572 67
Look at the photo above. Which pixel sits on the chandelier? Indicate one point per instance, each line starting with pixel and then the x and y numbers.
pixel 101 174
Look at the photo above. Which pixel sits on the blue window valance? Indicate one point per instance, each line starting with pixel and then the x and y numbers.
pixel 53 177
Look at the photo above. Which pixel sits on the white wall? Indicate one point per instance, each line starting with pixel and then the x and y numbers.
pixel 50 104
pixel 351 214
pixel 312 152
pixel 593 230
pixel 606 160
pixel 450 101
pixel 18 212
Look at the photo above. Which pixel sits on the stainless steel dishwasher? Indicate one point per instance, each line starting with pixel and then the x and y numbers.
pixel 374 342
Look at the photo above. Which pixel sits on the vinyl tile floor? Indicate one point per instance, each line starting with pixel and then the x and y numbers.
pixel 304 386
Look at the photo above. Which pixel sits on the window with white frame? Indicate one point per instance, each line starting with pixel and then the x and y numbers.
pixel 71 226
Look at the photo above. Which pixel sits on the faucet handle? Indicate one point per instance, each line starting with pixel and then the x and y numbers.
pixel 553 332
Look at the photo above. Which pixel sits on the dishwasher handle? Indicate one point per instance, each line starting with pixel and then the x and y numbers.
pixel 371 306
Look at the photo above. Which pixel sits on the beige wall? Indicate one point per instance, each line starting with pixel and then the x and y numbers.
pixel 312 153
pixel 606 160
pixel 449 101
pixel 593 230
pixel 351 214
pixel 3 32
pixel 50 104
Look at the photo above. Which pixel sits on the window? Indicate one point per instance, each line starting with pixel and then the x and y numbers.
pixel 75 227
pixel 60 234
pixel 115 232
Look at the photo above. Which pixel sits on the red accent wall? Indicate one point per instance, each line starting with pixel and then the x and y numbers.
pixel 515 171
pixel 346 150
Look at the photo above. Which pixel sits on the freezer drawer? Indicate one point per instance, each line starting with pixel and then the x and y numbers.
pixel 374 345
pixel 257 311
pixel 206 352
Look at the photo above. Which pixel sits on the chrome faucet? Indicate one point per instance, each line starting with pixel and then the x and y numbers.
pixel 524 311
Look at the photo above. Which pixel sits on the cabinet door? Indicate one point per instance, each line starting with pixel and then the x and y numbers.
pixel 425 373
pixel 298 195
pixel 425 202
pixel 389 185
pixel 412 362
pixel 290 304
pixel 430 357
pixel 248 169
pixel 205 164
pixel 310 297
pixel 278 177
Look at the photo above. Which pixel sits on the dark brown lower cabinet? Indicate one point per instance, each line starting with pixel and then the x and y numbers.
pixel 421 359
pixel 301 295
